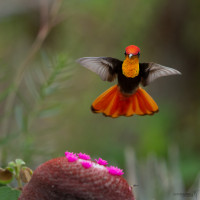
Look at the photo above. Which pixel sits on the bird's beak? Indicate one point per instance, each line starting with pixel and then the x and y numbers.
pixel 130 55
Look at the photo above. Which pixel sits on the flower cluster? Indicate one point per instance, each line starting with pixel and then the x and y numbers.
pixel 87 163
pixel 77 177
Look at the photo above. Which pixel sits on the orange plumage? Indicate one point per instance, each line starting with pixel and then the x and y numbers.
pixel 114 104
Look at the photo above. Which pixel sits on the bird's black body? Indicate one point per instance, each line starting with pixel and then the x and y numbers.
pixel 127 85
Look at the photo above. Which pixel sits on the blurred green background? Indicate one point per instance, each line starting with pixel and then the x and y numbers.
pixel 45 97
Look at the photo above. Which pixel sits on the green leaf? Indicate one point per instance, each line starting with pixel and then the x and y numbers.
pixel 20 162
pixel 49 90
pixel 11 164
pixel 49 112
pixel 7 193
pixel 10 169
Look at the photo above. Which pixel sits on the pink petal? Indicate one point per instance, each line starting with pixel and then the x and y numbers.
pixel 71 157
pixel 101 161
pixel 86 164
pixel 115 171
pixel 84 156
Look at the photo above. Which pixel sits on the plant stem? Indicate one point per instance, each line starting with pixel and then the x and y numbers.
pixel 19 182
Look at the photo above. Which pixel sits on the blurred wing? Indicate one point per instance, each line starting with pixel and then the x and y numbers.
pixel 105 67
pixel 153 71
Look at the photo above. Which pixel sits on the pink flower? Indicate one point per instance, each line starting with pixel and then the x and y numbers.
pixel 101 161
pixel 86 164
pixel 84 156
pixel 71 157
pixel 115 171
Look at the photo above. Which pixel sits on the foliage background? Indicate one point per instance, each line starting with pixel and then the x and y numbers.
pixel 50 95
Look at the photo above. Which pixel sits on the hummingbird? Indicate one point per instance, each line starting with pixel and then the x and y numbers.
pixel 127 97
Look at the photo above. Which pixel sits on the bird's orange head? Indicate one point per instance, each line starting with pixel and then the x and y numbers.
pixel 130 66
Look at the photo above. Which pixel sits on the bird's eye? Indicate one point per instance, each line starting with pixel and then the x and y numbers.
pixel 124 53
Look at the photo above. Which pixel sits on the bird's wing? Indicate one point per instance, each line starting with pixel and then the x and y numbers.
pixel 105 67
pixel 152 71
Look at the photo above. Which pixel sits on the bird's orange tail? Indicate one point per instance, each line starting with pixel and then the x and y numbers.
pixel 114 104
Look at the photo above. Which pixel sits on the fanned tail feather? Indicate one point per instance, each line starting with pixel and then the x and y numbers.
pixel 114 104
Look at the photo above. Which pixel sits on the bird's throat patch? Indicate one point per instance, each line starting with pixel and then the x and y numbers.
pixel 130 67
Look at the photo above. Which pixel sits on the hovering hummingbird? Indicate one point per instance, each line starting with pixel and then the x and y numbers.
pixel 127 97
